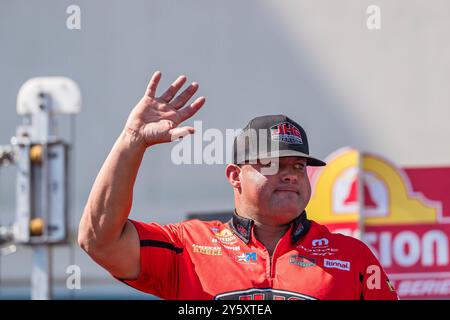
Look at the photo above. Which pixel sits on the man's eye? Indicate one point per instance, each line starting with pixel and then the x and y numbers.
pixel 299 166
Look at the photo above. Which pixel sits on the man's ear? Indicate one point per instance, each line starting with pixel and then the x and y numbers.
pixel 232 172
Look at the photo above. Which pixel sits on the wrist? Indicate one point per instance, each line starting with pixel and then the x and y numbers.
pixel 133 139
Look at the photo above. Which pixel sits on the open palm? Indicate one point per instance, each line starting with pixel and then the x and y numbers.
pixel 157 120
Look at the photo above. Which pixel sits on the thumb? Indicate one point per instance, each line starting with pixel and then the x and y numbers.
pixel 179 133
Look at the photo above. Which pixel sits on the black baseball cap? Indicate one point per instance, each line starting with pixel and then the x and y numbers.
pixel 278 132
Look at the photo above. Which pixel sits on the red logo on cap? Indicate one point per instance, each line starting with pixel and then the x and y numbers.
pixel 286 132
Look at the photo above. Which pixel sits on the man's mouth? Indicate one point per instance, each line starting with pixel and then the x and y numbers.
pixel 292 190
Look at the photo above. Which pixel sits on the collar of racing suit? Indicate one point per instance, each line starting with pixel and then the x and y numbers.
pixel 242 226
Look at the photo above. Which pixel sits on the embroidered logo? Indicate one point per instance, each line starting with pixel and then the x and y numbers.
pixel 302 261
pixel 286 132
pixel 207 250
pixel 337 264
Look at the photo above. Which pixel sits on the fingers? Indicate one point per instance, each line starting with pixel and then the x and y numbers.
pixel 184 97
pixel 190 110
pixel 173 89
pixel 153 84
pixel 178 133
pixel 179 101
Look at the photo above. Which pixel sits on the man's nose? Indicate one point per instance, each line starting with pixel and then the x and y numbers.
pixel 289 177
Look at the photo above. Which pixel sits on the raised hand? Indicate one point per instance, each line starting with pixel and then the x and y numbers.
pixel 156 120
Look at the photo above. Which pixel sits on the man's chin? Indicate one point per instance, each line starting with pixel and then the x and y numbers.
pixel 288 213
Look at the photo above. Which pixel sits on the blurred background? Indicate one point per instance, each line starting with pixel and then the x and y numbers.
pixel 383 90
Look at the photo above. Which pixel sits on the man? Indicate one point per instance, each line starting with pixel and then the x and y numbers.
pixel 269 250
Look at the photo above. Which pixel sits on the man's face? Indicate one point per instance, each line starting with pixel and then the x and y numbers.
pixel 280 197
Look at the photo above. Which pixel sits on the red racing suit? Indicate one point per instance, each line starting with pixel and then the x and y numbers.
pixel 198 260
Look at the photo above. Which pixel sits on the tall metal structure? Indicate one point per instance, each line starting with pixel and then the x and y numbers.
pixel 41 156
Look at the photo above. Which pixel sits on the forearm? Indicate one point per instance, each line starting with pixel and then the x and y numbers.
pixel 110 200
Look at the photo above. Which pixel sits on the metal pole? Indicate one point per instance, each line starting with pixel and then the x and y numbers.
pixel 41 277
pixel 41 190
pixel 41 288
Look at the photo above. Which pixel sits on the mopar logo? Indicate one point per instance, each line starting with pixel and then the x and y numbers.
pixel 250 256
pixel 247 257
pixel 320 242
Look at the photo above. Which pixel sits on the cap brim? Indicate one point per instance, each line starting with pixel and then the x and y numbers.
pixel 310 161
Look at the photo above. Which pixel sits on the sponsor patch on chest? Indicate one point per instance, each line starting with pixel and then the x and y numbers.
pixel 302 261
pixel 337 264
pixel 207 250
